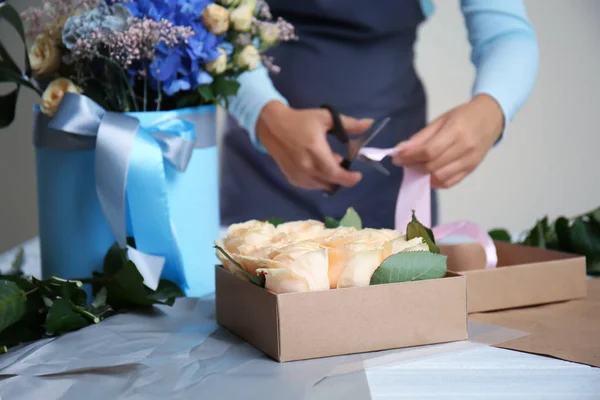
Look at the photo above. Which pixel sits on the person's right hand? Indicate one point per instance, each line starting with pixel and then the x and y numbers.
pixel 296 139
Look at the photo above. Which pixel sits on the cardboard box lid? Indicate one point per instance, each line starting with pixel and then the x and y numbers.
pixel 524 276
pixel 567 330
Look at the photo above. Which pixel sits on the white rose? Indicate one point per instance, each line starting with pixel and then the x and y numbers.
pixel 216 19
pixel 241 18
pixel 219 64
pixel 54 94
pixel 44 55
pixel 249 58
pixel 268 34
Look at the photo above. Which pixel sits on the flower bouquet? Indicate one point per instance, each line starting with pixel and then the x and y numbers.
pixel 125 132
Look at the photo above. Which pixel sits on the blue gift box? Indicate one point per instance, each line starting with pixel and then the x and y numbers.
pixel 74 232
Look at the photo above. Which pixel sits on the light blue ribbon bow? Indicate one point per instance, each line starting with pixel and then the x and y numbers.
pixel 129 170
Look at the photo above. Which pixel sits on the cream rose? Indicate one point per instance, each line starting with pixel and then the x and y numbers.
pixel 268 34
pixel 296 269
pixel 241 18
pixel 248 58
pixel 219 64
pixel 44 55
pixel 216 19
pixel 54 93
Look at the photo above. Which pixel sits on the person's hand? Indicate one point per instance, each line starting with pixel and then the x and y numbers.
pixel 453 145
pixel 296 139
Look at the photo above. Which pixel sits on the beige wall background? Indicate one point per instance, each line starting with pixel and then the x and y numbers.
pixel 546 165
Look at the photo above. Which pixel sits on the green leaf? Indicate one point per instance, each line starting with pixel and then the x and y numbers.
pixel 21 282
pixel 166 291
pixel 63 318
pixel 8 107
pixel 256 279
pixel 410 266
pixel 595 215
pixel 331 223
pixel 585 238
pixel 189 99
pixel 13 304
pixel 70 291
pixel 351 219
pixel 274 221
pixel 224 87
pixel 537 235
pixel 563 236
pixel 415 229
pixel 10 15
pixel 500 235
pixel 207 93
pixel 593 267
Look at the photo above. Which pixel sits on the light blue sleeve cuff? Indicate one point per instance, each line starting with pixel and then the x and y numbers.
pixel 256 90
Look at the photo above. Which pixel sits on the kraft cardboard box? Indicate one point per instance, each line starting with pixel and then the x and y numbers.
pixel 525 276
pixel 297 326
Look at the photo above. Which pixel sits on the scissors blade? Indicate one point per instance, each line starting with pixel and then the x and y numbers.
pixel 373 163
pixel 378 127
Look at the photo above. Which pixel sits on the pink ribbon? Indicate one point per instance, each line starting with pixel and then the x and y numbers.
pixel 415 194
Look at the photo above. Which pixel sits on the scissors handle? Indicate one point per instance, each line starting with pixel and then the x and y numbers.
pixel 338 128
pixel 340 133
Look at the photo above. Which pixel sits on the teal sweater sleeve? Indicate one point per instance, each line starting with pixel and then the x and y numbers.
pixel 504 52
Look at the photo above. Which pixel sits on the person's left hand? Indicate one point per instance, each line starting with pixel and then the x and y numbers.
pixel 453 145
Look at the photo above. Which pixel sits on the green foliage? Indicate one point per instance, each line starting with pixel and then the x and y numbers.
pixel 31 309
pixel 578 235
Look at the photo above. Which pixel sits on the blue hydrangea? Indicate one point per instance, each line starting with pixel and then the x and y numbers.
pixel 182 67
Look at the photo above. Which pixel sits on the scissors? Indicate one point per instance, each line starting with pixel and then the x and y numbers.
pixel 355 143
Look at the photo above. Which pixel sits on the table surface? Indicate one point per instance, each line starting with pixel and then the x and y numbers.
pixel 482 372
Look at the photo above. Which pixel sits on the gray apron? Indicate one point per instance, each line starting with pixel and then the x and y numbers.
pixel 357 56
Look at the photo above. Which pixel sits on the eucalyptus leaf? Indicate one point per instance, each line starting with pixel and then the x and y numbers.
pixel 13 303
pixel 351 219
pixel 415 229
pixel 63 318
pixel 501 235
pixel 410 266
